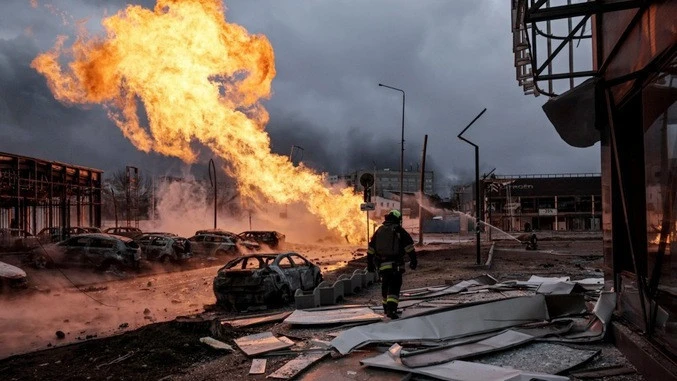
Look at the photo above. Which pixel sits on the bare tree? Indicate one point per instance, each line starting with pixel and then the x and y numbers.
pixel 114 196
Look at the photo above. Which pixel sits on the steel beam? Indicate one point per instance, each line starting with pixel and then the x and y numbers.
pixel 581 9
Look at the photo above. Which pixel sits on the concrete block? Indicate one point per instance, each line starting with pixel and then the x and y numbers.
pixel 330 293
pixel 362 276
pixel 351 284
pixel 304 300
pixel 371 278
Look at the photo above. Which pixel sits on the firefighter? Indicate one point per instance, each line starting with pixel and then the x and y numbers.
pixel 386 253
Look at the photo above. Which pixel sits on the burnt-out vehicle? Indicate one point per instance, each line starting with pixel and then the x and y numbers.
pixel 270 279
pixel 17 240
pixel 271 239
pixel 164 248
pixel 212 245
pixel 99 250
pixel 125 231
pixel 57 234
pixel 232 237
pixel 11 277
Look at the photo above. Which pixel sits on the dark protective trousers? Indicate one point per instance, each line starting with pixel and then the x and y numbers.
pixel 391 283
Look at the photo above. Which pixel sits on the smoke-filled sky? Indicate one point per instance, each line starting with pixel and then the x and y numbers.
pixel 453 58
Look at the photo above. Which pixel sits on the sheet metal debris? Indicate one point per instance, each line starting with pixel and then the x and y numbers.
pixel 560 288
pixel 258 366
pixel 256 320
pixel 332 316
pixel 503 340
pixel 433 292
pixel 460 370
pixel 511 338
pixel 216 344
pixel 260 343
pixel 297 365
pixel 444 325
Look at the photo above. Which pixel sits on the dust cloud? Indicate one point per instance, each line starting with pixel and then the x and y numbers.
pixel 31 319
pixel 183 207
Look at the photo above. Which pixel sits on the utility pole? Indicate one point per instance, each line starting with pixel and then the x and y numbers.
pixel 420 196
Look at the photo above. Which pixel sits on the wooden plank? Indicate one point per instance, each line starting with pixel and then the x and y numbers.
pixel 258 366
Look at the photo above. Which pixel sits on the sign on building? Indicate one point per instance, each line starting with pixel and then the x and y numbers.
pixel 367 206
pixel 547 212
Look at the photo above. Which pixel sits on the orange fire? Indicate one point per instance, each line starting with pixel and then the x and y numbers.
pixel 202 79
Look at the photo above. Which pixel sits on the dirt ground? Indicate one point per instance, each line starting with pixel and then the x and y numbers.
pixel 171 349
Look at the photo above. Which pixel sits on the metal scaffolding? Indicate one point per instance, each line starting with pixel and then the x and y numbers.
pixel 36 193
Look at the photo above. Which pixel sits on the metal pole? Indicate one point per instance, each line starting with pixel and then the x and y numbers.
pixel 478 217
pixel 402 159
pixel 115 206
pixel 367 226
pixel 420 202
pixel 402 145
pixel 478 211
pixel 212 168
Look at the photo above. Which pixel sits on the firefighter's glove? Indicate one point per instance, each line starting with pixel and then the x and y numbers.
pixel 413 264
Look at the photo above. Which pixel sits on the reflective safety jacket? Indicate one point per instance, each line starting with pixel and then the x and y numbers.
pixel 388 246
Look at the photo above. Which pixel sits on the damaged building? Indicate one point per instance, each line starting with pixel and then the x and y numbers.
pixel 571 202
pixel 37 193
pixel 626 99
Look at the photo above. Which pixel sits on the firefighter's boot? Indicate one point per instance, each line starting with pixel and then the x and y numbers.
pixel 392 310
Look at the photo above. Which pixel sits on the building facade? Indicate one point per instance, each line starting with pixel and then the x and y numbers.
pixel 570 202
pixel 36 194
pixel 388 181
pixel 628 103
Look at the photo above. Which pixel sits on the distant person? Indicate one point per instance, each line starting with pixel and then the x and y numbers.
pixel 386 253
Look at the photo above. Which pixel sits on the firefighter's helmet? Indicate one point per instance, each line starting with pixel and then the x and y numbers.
pixel 394 215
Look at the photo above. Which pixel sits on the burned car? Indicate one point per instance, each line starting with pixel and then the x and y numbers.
pixel 212 245
pixel 99 250
pixel 11 277
pixel 272 239
pixel 125 231
pixel 164 248
pixel 17 240
pixel 207 248
pixel 270 279
pixel 57 234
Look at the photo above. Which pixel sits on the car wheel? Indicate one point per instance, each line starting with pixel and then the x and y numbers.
pixel 40 262
pixel 164 259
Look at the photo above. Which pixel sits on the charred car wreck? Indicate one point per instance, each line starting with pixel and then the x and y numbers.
pixel 264 279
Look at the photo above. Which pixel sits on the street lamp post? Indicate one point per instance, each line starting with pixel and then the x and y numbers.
pixel 212 172
pixel 402 145
pixel 478 210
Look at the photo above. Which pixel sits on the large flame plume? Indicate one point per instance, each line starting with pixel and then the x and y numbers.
pixel 199 78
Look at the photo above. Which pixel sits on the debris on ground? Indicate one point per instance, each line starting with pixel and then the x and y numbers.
pixel 216 344
pixel 260 343
pixel 297 365
pixel 530 322
pixel 258 366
